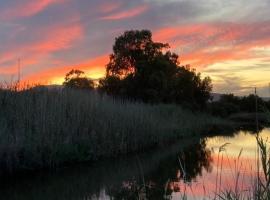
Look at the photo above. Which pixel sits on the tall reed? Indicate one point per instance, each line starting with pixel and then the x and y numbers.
pixel 47 127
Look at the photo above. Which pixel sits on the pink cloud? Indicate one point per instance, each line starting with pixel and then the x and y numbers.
pixel 206 44
pixel 109 6
pixel 54 39
pixel 58 38
pixel 126 14
pixel 27 8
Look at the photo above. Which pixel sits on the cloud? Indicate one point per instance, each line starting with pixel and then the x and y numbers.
pixel 240 76
pixel 94 68
pixel 34 53
pixel 206 44
pixel 229 83
pixel 24 8
pixel 214 36
pixel 216 10
pixel 126 14
pixel 108 7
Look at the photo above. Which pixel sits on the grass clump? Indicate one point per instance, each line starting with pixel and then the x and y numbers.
pixel 259 188
pixel 42 128
pixel 263 181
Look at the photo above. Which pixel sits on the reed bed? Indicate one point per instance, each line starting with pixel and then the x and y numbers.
pixel 45 128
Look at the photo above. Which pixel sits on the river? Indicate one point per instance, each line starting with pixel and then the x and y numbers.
pixel 199 168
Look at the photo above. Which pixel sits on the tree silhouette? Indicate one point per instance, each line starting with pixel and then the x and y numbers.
pixel 141 69
pixel 77 79
pixel 229 104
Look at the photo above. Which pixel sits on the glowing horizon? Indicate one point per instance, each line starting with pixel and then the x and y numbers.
pixel 53 36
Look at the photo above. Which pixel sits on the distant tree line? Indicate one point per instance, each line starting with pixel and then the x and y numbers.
pixel 229 104
pixel 143 70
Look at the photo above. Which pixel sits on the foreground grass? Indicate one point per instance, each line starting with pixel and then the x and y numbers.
pixel 44 128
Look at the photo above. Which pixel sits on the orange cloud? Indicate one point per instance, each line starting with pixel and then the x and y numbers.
pixel 126 14
pixel 58 39
pixel 6 57
pixel 94 68
pixel 205 44
pixel 200 45
pixel 169 33
pixel 55 39
pixel 13 69
pixel 27 8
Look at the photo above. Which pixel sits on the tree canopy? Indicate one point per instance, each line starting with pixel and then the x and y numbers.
pixel 77 79
pixel 141 69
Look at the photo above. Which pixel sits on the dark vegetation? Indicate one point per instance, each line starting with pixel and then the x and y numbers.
pixel 240 108
pixel 85 182
pixel 144 70
pixel 43 128
pixel 76 79
pixel 137 106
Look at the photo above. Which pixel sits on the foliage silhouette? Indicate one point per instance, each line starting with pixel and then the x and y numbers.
pixel 77 79
pixel 229 104
pixel 141 69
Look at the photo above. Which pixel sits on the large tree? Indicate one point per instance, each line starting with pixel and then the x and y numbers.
pixel 142 69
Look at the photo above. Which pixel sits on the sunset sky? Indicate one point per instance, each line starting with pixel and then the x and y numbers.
pixel 228 40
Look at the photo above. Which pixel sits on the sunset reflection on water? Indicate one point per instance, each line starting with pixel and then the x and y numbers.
pixel 233 168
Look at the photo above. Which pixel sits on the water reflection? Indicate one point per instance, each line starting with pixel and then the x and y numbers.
pixel 163 179
pixel 194 159
pixel 189 167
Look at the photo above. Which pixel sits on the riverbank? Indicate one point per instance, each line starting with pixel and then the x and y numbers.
pixel 48 128
pixel 250 118
pixel 88 179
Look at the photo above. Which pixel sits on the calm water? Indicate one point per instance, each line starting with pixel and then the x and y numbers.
pixel 190 167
